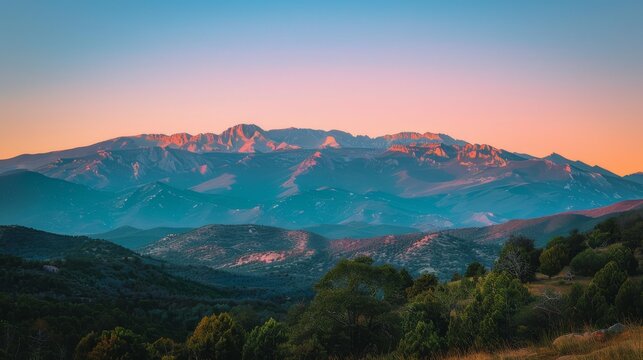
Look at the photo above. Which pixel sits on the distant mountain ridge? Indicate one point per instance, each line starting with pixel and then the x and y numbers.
pixel 297 178
pixel 298 256
pixel 242 138
pixel 636 177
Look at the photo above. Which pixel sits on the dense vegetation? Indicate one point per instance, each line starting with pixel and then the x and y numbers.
pixel 359 308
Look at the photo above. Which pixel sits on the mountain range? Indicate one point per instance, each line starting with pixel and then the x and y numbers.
pixel 265 257
pixel 256 249
pixel 295 179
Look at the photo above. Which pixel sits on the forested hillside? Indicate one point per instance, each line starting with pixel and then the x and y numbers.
pixel 87 304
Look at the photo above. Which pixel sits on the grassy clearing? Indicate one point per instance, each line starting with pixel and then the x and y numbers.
pixel 625 346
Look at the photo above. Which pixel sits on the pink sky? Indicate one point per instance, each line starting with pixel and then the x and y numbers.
pixel 485 73
pixel 550 110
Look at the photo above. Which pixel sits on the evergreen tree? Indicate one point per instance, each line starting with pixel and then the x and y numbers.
pixel 552 260
pixel 629 300
pixel 588 262
pixel 592 307
pixel 353 309
pixel 609 280
pixel 421 342
pixel 487 321
pixel 623 256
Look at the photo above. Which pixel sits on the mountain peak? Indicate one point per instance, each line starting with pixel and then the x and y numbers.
pixel 555 156
pixel 330 142
pixel 246 131
pixel 561 160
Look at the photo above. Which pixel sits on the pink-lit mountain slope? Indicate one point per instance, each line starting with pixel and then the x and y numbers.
pixel 297 178
pixel 242 138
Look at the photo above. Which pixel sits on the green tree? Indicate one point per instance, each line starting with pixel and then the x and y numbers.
pixel 216 337
pixel 588 262
pixel 570 311
pixel 164 349
pixel 632 235
pixel 488 320
pixel 629 300
pixel 119 343
pixel 609 280
pixel 353 309
pixel 611 228
pixel 429 308
pixel 461 334
pixel 406 279
pixel 246 316
pixel 519 258
pixel 623 256
pixel 552 260
pixel 475 269
pixel 421 342
pixel 265 342
pixel 592 307
pixel 598 238
pixel 425 282
pixel 573 243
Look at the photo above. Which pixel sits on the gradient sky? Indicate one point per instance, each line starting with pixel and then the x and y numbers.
pixel 528 76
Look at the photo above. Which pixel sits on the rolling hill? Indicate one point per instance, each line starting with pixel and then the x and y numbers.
pixel 253 250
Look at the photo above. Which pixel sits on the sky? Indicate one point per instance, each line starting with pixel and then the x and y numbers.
pixel 532 77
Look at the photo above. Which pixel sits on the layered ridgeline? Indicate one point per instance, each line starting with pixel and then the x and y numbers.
pixel 302 256
pixel 55 289
pixel 296 178
pixel 65 297
pixel 257 256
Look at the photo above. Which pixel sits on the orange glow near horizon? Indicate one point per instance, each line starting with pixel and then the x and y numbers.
pixel 485 73
pixel 492 104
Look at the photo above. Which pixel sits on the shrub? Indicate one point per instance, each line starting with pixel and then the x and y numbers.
pixel 592 307
pixel 428 308
pixel 588 262
pixel 552 260
pixel 423 341
pixel 422 284
pixel 609 279
pixel 597 238
pixel 475 269
pixel 623 256
pixel 629 300
pixel 488 321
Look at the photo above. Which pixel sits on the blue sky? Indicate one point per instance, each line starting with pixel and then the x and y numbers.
pixel 568 69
